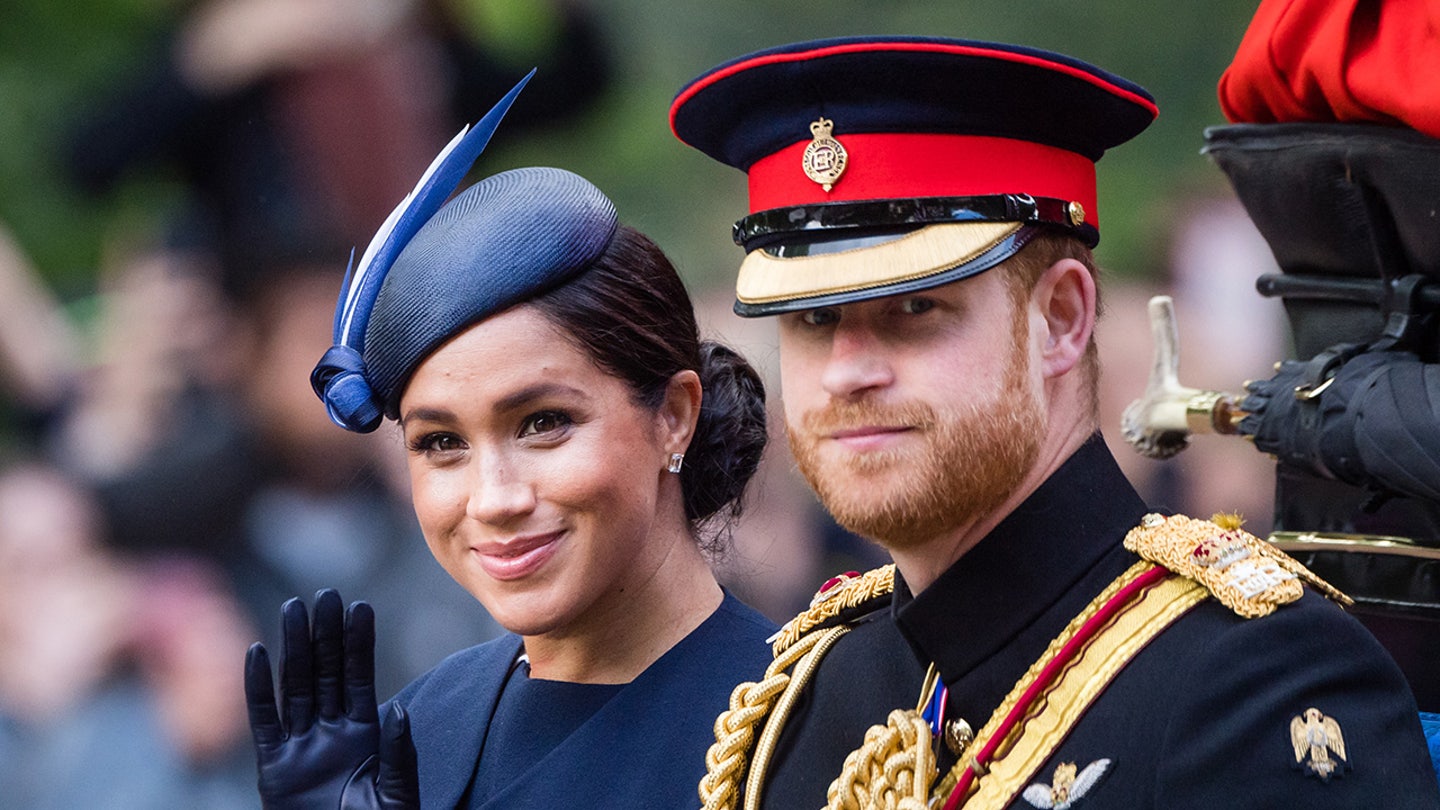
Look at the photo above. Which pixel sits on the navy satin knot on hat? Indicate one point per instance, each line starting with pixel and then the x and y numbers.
pixel 432 269
pixel 339 379
pixel 880 165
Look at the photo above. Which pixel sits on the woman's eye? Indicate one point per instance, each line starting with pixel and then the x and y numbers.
pixel 436 443
pixel 916 306
pixel 825 316
pixel 544 423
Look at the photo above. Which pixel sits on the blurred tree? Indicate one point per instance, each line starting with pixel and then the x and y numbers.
pixel 53 57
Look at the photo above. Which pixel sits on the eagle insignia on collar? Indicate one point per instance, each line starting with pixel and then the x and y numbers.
pixel 1319 745
pixel 1068 787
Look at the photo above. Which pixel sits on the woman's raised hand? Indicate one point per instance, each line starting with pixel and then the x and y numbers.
pixel 325 745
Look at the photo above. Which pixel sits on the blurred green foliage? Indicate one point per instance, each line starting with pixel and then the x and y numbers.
pixel 55 58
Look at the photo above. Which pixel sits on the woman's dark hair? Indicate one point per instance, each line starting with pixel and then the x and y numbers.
pixel 631 314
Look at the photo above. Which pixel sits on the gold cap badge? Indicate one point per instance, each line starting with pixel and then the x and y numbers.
pixel 824 158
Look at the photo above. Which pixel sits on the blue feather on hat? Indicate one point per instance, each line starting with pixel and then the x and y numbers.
pixel 339 378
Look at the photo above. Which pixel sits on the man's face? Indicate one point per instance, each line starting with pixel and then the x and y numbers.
pixel 913 415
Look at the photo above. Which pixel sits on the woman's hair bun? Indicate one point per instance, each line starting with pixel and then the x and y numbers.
pixel 729 439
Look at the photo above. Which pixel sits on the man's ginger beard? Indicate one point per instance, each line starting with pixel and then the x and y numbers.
pixel 974 456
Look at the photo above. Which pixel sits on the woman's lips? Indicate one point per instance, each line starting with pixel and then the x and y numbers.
pixel 518 557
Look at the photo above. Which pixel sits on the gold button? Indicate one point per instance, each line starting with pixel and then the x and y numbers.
pixel 958 736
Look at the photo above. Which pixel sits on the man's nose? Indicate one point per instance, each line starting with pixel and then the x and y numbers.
pixel 857 363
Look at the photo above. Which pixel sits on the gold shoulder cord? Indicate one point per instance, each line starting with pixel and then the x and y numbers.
pixel 776 724
pixel 893 768
pixel 751 702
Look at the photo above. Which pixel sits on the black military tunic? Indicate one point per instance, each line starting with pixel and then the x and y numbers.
pixel 1201 717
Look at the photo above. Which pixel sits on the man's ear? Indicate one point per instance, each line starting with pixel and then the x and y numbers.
pixel 1065 297
pixel 680 410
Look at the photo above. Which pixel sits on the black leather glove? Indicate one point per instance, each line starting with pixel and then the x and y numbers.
pixel 1375 423
pixel 1313 434
pixel 325 748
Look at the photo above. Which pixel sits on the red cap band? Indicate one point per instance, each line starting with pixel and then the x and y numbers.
pixel 901 165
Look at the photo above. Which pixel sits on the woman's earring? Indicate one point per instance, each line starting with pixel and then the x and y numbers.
pixel 676 460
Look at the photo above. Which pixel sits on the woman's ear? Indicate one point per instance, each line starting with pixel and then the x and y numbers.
pixel 1065 299
pixel 680 410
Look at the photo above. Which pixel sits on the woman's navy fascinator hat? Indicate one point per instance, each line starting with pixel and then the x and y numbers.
pixel 432 270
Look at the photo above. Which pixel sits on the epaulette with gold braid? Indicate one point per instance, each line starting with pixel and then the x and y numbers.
pixel 1243 572
pixel 840 599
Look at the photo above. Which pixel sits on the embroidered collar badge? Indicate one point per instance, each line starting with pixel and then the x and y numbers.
pixel 1319 745
pixel 1068 787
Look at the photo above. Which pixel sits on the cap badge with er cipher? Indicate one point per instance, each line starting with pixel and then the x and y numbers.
pixel 824 159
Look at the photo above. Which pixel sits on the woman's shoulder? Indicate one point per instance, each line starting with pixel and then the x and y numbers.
pixel 742 619
pixel 733 643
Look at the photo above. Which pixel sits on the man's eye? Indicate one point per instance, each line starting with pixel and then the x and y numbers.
pixel 820 317
pixel 916 306
pixel 543 423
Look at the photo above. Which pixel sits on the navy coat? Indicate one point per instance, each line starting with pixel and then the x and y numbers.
pixel 644 748
pixel 1200 718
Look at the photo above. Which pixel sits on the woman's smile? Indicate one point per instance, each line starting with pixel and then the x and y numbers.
pixel 519 556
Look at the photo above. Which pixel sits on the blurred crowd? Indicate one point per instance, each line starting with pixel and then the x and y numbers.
pixel 173 478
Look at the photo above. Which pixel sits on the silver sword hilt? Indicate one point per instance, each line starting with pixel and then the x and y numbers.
pixel 1159 424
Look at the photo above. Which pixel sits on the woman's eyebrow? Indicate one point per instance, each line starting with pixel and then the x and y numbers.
pixel 540 390
pixel 509 402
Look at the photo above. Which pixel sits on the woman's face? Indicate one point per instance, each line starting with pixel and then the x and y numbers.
pixel 539 483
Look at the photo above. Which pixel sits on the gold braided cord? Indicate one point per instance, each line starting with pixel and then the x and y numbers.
pixel 770 737
pixel 869 585
pixel 892 769
pixel 750 702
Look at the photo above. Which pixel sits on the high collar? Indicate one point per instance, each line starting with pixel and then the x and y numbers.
pixel 1024 566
